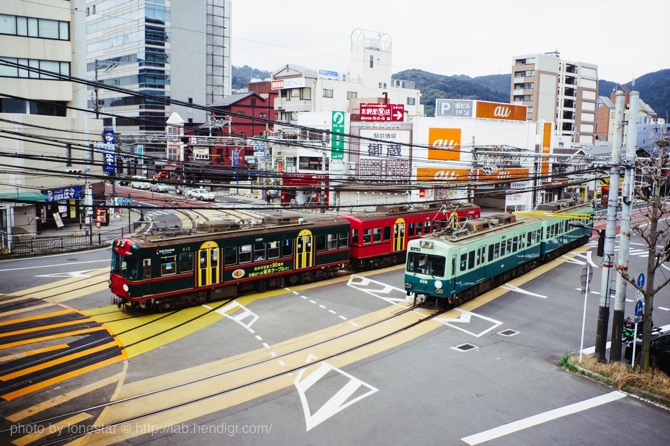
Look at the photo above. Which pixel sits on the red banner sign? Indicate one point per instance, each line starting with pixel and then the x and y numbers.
pixel 382 112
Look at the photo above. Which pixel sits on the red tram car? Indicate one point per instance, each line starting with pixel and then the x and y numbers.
pixel 380 238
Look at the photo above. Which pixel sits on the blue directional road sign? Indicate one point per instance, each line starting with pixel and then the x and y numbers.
pixel 640 280
pixel 639 307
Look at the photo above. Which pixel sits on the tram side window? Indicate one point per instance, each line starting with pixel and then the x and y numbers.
pixel 367 235
pixel 146 268
pixel 273 250
pixel 332 241
pixel 259 251
pixel 464 258
pixel 515 244
pixel 410 231
pixel 245 253
pixel 344 240
pixel 471 259
pixel 419 228
pixel 387 232
pixel 378 234
pixel 503 244
pixel 354 236
pixel 230 255
pixel 490 252
pixel 320 242
pixel 185 262
pixel 287 248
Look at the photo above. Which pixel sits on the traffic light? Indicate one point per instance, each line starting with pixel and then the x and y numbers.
pixel 600 251
pixel 77 172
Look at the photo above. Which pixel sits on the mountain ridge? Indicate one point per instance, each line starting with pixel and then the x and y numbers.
pixel 654 87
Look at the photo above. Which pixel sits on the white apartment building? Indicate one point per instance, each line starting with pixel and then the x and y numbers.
pixel 558 91
pixel 36 191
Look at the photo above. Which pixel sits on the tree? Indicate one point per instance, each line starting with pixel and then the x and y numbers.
pixel 655 231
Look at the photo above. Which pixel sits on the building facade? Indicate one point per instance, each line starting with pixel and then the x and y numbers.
pixel 53 174
pixel 176 49
pixel 558 91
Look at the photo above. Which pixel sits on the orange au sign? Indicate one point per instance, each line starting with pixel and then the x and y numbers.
pixel 497 110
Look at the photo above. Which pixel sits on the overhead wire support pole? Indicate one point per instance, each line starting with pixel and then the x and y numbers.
pixel 624 233
pixel 610 233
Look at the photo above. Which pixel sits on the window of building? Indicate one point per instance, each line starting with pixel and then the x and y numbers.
pixel 352 94
pixel 411 101
pixel 327 93
pixel 372 61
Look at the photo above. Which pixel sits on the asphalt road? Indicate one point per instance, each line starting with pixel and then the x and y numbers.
pixel 304 369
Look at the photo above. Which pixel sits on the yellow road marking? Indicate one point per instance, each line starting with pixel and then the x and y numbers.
pixel 26 309
pixel 50 404
pixel 60 378
pixel 46 365
pixel 44 327
pixel 35 318
pixel 32 352
pixel 50 337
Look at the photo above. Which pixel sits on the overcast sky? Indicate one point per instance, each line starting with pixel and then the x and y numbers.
pixel 472 37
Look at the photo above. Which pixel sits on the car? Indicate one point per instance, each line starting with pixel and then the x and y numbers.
pixel 159 187
pixel 201 193
pixel 139 182
pixel 659 352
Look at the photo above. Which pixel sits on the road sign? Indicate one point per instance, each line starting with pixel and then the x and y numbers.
pixel 586 276
pixel 382 112
pixel 639 307
pixel 640 280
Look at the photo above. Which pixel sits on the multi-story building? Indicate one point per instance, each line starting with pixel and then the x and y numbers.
pixel 176 49
pixel 558 91
pixel 45 183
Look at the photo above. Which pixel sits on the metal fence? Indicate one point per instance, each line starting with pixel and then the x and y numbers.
pixel 27 244
pixel 43 245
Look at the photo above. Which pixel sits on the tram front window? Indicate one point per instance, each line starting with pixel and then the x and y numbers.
pixel 419 263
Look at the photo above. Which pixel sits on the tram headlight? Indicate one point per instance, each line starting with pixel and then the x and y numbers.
pixel 438 284
pixel 125 287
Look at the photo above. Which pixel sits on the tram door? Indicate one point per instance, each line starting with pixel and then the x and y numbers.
pixel 304 249
pixel 399 235
pixel 208 264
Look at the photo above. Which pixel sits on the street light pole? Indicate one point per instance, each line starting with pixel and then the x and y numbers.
pixel 610 233
pixel 624 238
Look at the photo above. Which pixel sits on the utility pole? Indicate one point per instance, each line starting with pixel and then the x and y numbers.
pixel 624 234
pixel 610 233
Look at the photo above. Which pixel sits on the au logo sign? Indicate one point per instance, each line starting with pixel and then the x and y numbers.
pixel 444 144
pixel 337 138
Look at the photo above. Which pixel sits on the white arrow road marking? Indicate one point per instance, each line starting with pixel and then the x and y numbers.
pixel 238 317
pixel 465 318
pixel 81 273
pixel 535 420
pixel 337 402
pixel 377 289
pixel 510 287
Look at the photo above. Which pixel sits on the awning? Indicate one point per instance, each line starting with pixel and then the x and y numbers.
pixel 23 196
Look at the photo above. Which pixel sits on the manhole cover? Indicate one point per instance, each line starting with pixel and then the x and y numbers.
pixel 508 332
pixel 465 347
